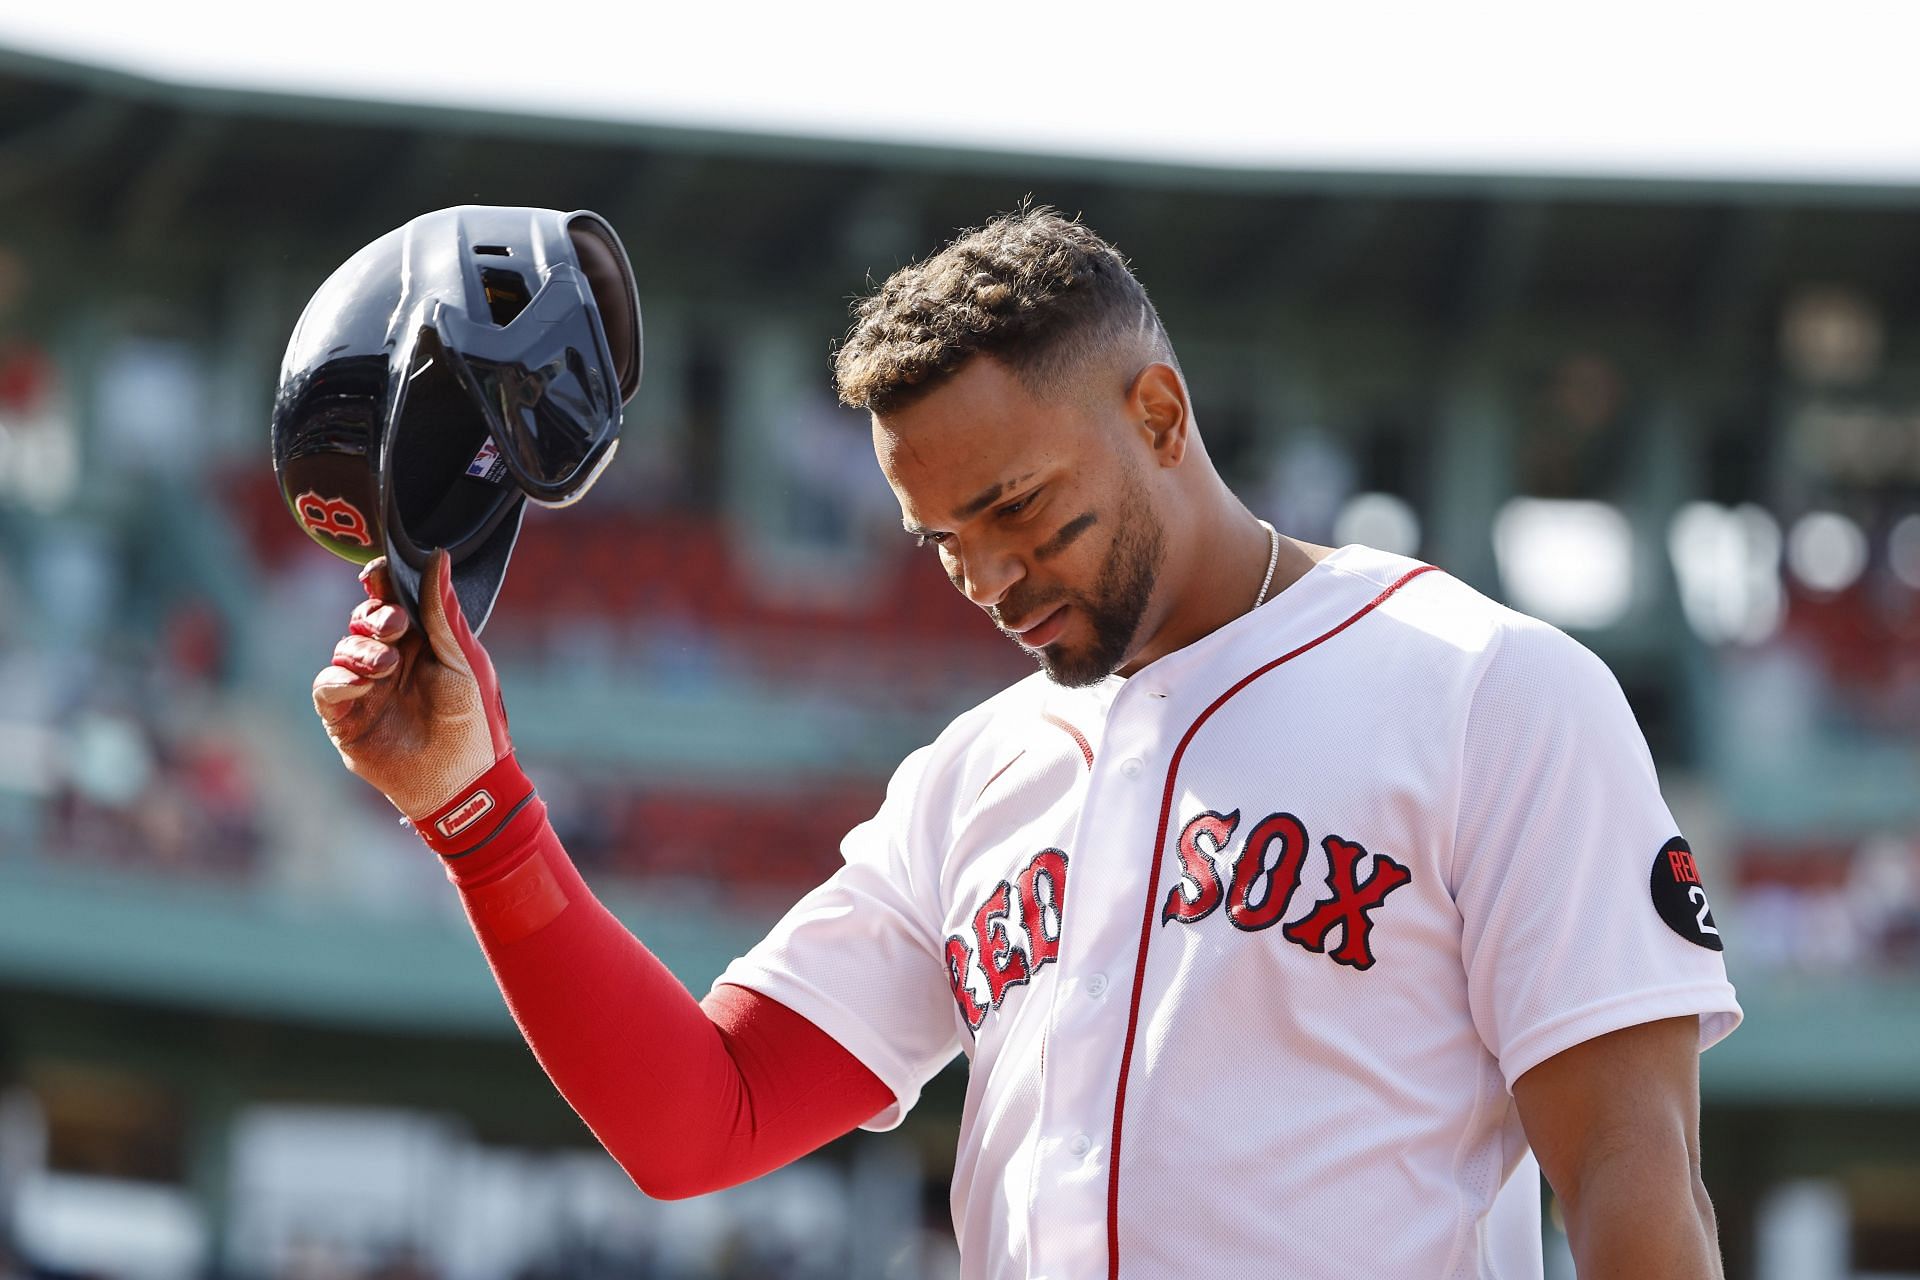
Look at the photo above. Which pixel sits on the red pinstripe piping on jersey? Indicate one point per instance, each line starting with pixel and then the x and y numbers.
pixel 1078 737
pixel 997 772
pixel 1153 885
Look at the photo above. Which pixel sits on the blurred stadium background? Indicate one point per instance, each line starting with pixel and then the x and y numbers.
pixel 244 1031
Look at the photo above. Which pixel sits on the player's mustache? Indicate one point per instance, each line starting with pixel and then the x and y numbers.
pixel 1026 608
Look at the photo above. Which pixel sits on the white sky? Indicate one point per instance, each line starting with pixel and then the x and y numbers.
pixel 1814 90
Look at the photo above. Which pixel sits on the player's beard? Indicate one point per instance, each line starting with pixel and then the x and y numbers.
pixel 1116 604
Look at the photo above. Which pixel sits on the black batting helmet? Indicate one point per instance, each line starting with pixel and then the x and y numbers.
pixel 451 370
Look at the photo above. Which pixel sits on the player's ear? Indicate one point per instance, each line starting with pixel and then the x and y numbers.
pixel 1158 399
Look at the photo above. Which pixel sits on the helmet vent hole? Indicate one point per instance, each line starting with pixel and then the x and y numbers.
pixel 507 294
pixel 493 250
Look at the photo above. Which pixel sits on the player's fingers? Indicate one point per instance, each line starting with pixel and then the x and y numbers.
pixel 378 619
pixel 366 656
pixel 377 582
pixel 336 689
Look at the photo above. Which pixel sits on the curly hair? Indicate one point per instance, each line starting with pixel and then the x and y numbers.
pixel 1036 291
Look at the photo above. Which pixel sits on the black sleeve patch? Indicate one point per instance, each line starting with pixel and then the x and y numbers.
pixel 1680 898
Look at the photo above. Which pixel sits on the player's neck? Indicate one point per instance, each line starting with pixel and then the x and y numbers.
pixel 1219 575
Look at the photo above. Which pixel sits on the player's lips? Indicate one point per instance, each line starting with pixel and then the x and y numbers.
pixel 1043 630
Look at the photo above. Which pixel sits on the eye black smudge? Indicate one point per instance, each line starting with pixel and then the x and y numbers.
pixel 1068 532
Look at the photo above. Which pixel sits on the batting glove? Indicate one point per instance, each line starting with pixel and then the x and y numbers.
pixel 421 718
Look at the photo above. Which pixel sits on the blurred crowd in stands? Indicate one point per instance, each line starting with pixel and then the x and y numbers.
pixel 132 702
pixel 154 776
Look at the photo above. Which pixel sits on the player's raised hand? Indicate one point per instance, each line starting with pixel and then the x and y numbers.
pixel 420 716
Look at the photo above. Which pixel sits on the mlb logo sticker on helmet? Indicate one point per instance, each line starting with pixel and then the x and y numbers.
pixel 487 464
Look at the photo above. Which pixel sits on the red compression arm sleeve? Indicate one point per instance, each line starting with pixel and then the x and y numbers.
pixel 688 1096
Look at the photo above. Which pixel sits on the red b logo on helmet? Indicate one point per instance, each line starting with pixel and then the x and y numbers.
pixel 335 517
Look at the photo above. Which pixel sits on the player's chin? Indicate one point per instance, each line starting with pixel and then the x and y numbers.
pixel 1072 666
pixel 1066 657
pixel 1086 653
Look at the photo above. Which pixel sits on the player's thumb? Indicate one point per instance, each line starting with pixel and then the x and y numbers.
pixel 456 647
pixel 441 618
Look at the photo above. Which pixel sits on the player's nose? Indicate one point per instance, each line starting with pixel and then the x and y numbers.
pixel 986 576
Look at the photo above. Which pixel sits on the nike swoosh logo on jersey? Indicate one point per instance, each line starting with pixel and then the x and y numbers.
pixel 997 772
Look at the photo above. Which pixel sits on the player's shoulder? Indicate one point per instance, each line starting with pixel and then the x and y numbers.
pixel 1416 603
pixel 1454 621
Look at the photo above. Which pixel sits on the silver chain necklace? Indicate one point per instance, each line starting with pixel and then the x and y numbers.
pixel 1273 562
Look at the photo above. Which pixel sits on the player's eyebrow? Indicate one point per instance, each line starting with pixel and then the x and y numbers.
pixel 988 496
pixel 975 505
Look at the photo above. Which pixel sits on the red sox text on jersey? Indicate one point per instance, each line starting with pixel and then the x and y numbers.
pixel 1261 883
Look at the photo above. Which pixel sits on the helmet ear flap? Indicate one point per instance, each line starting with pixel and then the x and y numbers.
pixel 603 261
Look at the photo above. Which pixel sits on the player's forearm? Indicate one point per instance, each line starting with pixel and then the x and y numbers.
pixel 687 1098
pixel 624 1042
pixel 1623 1224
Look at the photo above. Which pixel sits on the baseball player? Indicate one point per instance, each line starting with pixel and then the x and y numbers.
pixel 1297 898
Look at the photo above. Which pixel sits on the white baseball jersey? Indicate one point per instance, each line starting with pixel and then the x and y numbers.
pixel 1248 949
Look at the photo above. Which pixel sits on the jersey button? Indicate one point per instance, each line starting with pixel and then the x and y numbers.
pixel 1097 985
pixel 1131 766
pixel 1080 1145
